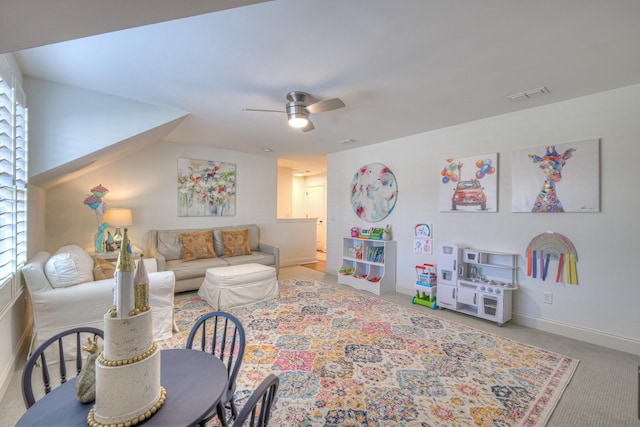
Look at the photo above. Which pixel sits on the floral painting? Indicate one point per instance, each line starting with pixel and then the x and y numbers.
pixel 206 188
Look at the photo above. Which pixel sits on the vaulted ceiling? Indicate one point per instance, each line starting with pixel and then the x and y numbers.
pixel 401 67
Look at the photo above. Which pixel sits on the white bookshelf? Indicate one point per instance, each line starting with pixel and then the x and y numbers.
pixel 368 265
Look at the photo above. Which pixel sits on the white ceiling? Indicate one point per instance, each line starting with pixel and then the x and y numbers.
pixel 401 67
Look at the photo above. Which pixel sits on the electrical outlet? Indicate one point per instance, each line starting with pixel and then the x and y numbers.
pixel 548 297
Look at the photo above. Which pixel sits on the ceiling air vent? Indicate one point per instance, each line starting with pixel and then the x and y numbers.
pixel 533 93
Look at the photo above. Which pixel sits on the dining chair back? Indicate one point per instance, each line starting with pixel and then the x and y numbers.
pixel 222 335
pixel 257 411
pixel 54 348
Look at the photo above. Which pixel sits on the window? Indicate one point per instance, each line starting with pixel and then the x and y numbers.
pixel 13 181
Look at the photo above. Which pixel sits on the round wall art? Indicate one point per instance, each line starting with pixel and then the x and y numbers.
pixel 373 192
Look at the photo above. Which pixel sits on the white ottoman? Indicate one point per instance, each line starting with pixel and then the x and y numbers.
pixel 226 287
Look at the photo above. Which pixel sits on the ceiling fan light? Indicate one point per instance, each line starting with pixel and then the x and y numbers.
pixel 298 116
pixel 298 122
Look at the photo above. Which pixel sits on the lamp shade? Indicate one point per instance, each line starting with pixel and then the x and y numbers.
pixel 118 217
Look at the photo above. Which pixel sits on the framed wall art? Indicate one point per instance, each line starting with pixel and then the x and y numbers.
pixel 469 184
pixel 557 178
pixel 206 188
pixel 374 192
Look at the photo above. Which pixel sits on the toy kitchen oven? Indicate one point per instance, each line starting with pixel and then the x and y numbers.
pixel 477 282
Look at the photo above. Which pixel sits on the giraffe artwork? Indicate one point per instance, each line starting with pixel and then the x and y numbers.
pixel 551 164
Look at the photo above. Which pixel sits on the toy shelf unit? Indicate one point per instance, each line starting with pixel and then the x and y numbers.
pixel 477 282
pixel 368 265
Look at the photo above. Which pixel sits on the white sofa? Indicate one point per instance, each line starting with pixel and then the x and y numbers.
pixel 56 309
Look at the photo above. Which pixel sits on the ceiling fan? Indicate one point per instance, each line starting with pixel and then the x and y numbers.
pixel 298 110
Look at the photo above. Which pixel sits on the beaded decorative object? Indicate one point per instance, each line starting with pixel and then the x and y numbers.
pixel 91 421
pixel 138 358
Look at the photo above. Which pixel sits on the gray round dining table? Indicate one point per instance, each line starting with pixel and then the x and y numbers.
pixel 195 380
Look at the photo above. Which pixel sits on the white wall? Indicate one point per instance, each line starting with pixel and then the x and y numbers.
pixel 299 191
pixel 285 193
pixel 603 308
pixel 147 183
pixel 67 123
pixel 297 237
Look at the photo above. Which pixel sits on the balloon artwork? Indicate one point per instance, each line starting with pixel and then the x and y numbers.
pixel 452 171
pixel 94 201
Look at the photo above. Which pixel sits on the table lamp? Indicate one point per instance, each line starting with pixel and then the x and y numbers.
pixel 118 218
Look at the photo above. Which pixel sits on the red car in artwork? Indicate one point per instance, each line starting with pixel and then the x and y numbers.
pixel 469 193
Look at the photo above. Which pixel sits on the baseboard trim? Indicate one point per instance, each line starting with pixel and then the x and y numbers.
pixel 591 336
pixel 20 351
pixel 298 261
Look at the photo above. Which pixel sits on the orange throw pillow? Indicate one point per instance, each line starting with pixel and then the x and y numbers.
pixel 236 242
pixel 197 245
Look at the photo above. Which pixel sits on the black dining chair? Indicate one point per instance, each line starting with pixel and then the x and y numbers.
pixel 55 348
pixel 222 335
pixel 259 405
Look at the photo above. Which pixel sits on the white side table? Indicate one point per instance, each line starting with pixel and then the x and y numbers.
pixel 113 255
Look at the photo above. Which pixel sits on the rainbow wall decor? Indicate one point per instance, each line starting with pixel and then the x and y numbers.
pixel 552 246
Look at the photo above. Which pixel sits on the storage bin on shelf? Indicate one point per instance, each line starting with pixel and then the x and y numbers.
pixel 347 269
pixel 361 271
pixel 375 273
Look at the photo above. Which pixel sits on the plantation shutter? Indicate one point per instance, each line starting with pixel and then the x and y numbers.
pixel 20 177
pixel 13 179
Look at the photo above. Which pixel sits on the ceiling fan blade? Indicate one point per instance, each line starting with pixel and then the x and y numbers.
pixel 308 127
pixel 263 111
pixel 326 105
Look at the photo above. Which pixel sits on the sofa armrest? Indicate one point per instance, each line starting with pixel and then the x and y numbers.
pixel 33 273
pixel 59 309
pixel 150 264
pixel 273 250
pixel 161 290
pixel 152 245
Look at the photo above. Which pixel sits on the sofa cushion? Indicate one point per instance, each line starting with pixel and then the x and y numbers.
pixel 197 245
pixel 69 266
pixel 196 268
pixel 235 242
pixel 170 245
pixel 255 257
pixel 254 237
pixel 103 269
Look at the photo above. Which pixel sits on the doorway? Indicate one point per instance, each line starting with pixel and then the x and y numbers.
pixel 320 264
pixel 316 209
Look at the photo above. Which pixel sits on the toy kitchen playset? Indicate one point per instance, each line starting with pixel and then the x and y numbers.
pixel 477 282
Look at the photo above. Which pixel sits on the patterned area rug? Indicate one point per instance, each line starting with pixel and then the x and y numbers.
pixel 347 359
